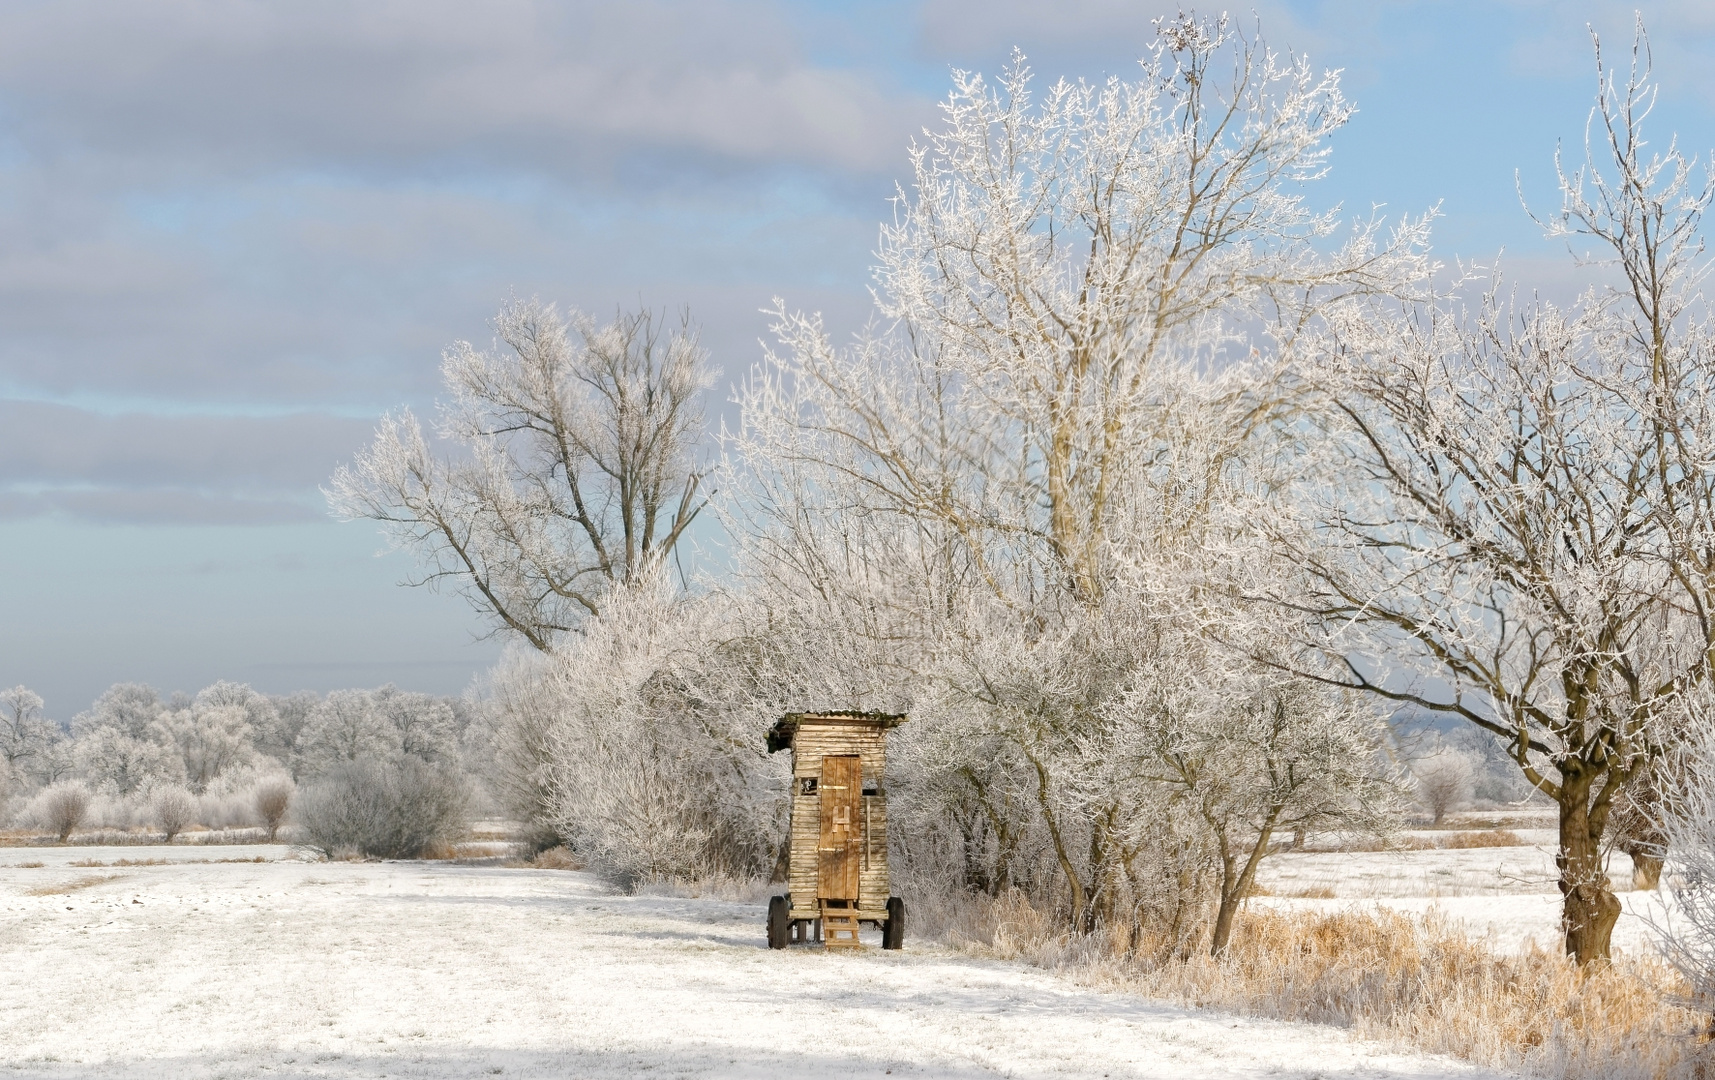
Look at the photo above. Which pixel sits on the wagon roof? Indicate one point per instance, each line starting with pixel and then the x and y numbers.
pixel 780 735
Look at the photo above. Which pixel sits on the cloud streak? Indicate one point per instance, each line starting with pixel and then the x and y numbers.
pixel 575 89
pixel 144 469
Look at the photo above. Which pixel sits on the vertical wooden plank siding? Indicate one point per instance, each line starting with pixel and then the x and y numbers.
pixel 841 849
pixel 815 739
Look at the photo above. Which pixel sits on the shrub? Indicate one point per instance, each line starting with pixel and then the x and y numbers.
pixel 393 811
pixel 172 808
pixel 273 799
pixel 64 807
pixel 1443 782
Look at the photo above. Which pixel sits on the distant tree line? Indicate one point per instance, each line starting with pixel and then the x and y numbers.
pixel 228 753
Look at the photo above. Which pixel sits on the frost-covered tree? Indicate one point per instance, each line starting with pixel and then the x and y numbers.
pixel 1637 821
pixel 1257 758
pixel 128 708
pixel 279 736
pixel 425 726
pixel 519 708
pixel 116 747
pixel 1684 814
pixel 346 726
pixel 208 739
pixel 1028 485
pixel 260 711
pixel 1443 781
pixel 172 808
pixel 652 769
pixel 1516 518
pixel 110 760
pixel 29 742
pixel 579 469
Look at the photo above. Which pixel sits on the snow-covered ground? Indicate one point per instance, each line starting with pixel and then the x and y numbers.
pixel 200 968
pixel 1506 895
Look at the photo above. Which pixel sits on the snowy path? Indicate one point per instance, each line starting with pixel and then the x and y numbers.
pixel 423 970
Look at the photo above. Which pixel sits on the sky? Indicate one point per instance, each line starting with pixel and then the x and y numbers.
pixel 233 234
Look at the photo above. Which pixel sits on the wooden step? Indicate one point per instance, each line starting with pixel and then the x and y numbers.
pixel 840 928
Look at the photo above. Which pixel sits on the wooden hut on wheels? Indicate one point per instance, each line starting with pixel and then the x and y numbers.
pixel 836 873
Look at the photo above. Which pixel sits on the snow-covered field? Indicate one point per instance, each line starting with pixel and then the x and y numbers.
pixel 202 968
pixel 1505 895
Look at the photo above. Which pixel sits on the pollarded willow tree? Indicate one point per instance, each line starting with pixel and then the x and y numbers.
pixel 578 470
pixel 1517 513
pixel 1015 481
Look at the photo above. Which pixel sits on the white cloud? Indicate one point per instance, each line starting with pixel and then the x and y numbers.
pixel 573 88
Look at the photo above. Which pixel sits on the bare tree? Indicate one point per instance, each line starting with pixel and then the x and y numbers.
pixel 389 810
pixel 1516 512
pixel 579 474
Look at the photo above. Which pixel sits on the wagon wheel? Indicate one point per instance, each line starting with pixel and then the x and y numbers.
pixel 779 921
pixel 893 934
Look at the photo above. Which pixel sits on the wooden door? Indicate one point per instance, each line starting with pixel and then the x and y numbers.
pixel 841 847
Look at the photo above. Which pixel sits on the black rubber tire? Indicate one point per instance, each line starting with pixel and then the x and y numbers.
pixel 893 934
pixel 779 922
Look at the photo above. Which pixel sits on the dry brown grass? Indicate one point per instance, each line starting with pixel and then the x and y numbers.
pixel 1488 839
pixel 1415 981
pixel 1469 838
pixel 555 858
pixel 166 862
pixel 72 886
pixel 464 851
pixel 110 836
pixel 1420 981
pixel 31 865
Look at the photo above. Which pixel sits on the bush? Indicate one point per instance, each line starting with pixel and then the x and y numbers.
pixel 64 807
pixel 394 811
pixel 273 799
pixel 172 808
pixel 1443 782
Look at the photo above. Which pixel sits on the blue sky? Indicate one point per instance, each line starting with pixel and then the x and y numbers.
pixel 232 234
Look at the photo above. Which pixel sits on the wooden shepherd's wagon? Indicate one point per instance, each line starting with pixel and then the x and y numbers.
pixel 836 873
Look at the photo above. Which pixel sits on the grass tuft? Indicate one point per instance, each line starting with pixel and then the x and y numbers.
pixel 70 887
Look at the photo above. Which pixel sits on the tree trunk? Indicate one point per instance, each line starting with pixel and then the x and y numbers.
pixel 1590 909
pixel 1236 884
pixel 1073 882
pixel 1646 868
pixel 1224 918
